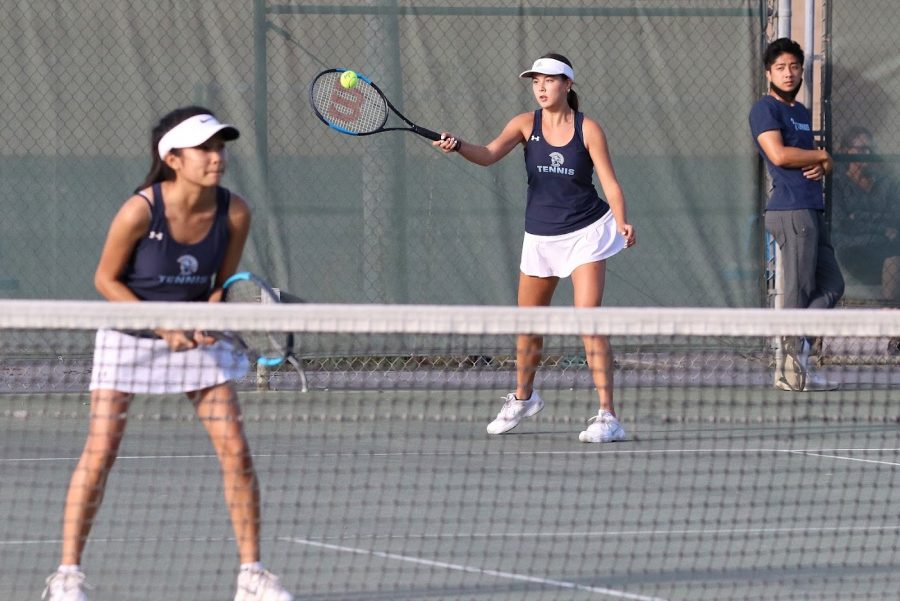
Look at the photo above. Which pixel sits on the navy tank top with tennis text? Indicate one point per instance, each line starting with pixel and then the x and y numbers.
pixel 561 193
pixel 163 269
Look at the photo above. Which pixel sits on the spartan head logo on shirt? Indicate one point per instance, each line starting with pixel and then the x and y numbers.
pixel 187 265
pixel 556 159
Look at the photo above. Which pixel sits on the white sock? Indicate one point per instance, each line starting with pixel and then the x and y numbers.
pixel 69 569
pixel 253 566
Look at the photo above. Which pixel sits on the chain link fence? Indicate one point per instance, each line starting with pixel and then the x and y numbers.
pixel 387 218
pixel 862 79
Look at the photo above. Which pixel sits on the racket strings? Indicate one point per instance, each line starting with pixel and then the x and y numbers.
pixel 358 110
pixel 243 291
pixel 260 343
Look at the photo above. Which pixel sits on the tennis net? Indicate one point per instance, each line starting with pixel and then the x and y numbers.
pixel 381 481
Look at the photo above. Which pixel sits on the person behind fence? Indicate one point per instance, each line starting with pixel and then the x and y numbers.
pixel 178 238
pixel 865 213
pixel 795 211
pixel 569 229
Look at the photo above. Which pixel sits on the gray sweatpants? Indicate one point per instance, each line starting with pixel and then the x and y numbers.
pixel 812 278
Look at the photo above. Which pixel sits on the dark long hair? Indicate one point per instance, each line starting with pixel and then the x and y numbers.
pixel 159 171
pixel 571 97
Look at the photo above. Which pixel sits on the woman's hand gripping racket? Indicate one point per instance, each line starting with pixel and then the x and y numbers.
pixel 360 110
pixel 270 349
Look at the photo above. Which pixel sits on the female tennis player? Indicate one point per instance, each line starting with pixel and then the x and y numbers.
pixel 569 229
pixel 176 239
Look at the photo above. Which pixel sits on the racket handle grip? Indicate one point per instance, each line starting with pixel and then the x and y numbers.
pixel 427 133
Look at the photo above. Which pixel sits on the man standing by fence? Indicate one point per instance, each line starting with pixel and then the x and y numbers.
pixel 795 211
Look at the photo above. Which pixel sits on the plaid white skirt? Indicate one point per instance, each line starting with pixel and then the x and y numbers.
pixel 546 256
pixel 134 364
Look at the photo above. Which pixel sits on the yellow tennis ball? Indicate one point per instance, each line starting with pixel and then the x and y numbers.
pixel 349 79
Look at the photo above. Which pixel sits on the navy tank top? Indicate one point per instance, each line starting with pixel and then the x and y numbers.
pixel 561 193
pixel 163 269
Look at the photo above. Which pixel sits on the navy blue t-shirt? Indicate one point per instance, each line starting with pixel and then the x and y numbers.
pixel 561 193
pixel 163 269
pixel 791 190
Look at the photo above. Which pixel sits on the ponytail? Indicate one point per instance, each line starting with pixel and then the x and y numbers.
pixel 572 99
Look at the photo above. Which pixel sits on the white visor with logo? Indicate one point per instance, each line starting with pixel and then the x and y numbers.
pixel 194 131
pixel 549 66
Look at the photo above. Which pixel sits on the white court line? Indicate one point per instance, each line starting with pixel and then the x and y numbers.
pixel 125 457
pixel 472 570
pixel 143 539
pixel 489 454
pixel 714 532
pixel 811 454
pixel 581 534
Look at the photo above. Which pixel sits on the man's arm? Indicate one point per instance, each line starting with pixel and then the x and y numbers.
pixel 790 157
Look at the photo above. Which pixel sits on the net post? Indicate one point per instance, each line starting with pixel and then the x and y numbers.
pixel 263 373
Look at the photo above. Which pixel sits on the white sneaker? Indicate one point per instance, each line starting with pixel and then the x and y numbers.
pixel 782 384
pixel 817 382
pixel 812 382
pixel 260 585
pixel 514 411
pixel 605 428
pixel 65 586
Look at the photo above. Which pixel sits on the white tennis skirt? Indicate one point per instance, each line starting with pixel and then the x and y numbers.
pixel 546 256
pixel 127 363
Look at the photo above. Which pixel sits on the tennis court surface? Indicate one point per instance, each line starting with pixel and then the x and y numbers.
pixel 381 482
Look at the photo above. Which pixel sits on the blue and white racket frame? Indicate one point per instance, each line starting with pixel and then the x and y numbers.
pixel 366 100
pixel 267 363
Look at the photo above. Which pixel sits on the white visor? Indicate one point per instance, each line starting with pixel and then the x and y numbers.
pixel 549 66
pixel 194 131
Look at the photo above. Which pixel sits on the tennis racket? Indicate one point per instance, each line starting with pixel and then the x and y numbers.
pixel 270 349
pixel 359 111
